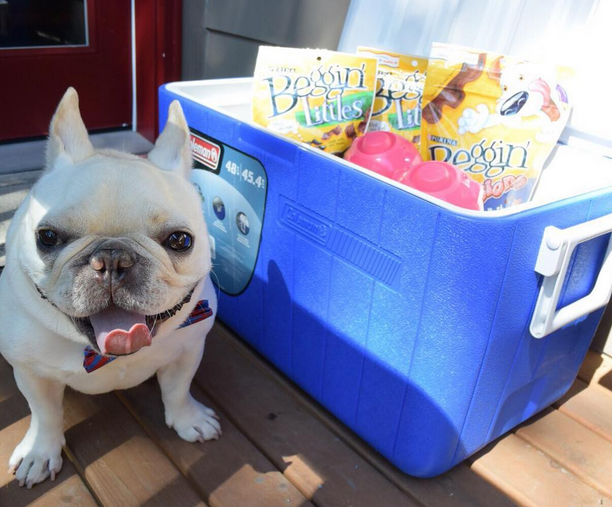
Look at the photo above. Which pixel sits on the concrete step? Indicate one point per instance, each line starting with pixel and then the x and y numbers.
pixel 30 155
pixel 13 189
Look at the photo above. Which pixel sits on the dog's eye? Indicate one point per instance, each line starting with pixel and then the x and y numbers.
pixel 179 241
pixel 48 237
pixel 521 77
pixel 505 88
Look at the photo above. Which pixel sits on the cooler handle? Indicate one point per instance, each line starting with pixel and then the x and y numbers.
pixel 553 260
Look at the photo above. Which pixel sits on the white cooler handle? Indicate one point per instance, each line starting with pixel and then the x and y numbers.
pixel 553 259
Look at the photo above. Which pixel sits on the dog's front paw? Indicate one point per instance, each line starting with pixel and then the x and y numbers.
pixel 194 422
pixel 35 459
pixel 473 120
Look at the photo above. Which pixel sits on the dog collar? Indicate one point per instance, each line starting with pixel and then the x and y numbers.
pixel 92 361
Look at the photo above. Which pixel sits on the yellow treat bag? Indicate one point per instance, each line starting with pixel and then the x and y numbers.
pixel 399 90
pixel 323 98
pixel 495 117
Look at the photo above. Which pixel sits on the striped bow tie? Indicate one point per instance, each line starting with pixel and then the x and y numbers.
pixel 93 361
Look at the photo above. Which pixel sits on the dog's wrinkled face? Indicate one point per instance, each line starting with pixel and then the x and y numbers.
pixel 116 243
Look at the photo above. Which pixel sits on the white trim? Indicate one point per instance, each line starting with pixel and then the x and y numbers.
pixel 134 97
pixel 86 14
pixel 219 93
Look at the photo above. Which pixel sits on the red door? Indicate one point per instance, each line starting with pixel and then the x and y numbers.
pixel 47 46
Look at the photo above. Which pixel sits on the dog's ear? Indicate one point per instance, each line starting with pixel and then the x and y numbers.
pixel 68 138
pixel 495 71
pixel 172 151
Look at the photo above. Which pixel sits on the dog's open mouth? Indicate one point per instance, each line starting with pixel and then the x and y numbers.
pixel 117 332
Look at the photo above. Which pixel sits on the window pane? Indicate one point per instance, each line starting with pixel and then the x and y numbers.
pixel 42 23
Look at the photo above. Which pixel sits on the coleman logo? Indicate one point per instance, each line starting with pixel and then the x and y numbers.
pixel 309 225
pixel 204 151
pixel 305 222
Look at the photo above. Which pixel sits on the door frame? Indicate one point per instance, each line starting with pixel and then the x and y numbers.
pixel 156 58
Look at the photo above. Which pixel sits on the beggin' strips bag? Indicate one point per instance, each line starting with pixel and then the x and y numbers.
pixel 323 98
pixel 399 90
pixel 495 117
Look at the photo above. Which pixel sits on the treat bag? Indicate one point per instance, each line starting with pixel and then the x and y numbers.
pixel 322 98
pixel 399 92
pixel 495 117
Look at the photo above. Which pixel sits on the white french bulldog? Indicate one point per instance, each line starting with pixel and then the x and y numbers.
pixel 106 283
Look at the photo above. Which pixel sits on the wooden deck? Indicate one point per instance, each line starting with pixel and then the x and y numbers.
pixel 280 448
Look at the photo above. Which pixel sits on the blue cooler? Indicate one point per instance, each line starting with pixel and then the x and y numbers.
pixel 427 329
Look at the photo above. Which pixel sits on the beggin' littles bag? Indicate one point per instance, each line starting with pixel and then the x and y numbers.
pixel 497 118
pixel 399 90
pixel 323 98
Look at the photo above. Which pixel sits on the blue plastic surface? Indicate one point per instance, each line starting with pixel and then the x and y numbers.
pixel 408 321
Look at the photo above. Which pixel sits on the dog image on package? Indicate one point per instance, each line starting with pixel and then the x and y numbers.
pixel 527 90
pixel 495 117
pixel 106 284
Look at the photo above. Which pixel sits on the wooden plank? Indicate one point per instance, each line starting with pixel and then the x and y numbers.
pixel 459 487
pixel 596 369
pixel 531 478
pixel 67 489
pixel 229 472
pixel 231 371
pixel 21 180
pixel 322 467
pixel 591 406
pixel 575 447
pixel 119 461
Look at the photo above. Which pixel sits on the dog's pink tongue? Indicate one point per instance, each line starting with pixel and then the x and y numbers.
pixel 119 332
pixel 541 86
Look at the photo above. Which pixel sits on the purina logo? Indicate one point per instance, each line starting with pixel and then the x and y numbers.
pixel 204 151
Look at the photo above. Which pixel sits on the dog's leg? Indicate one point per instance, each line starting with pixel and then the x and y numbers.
pixel 39 455
pixel 191 420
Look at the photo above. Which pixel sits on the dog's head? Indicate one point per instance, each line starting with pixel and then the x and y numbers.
pixel 526 89
pixel 115 242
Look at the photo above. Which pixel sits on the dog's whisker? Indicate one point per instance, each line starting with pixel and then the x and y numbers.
pixel 217 284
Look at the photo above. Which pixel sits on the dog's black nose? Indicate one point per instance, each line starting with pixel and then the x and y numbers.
pixel 514 104
pixel 111 266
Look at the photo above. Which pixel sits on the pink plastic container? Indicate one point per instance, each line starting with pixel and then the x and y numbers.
pixel 446 182
pixel 384 153
pixel 397 158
